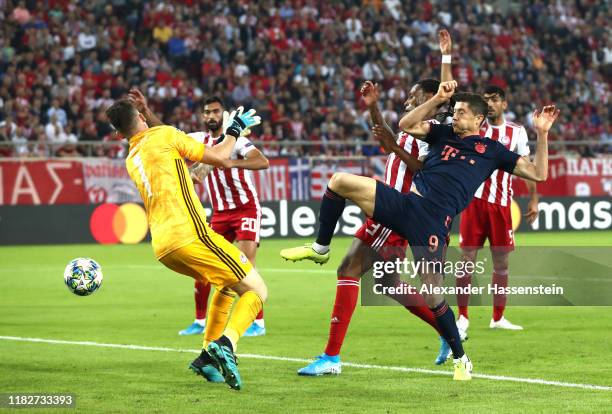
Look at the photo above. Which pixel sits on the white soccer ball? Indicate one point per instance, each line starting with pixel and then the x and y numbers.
pixel 83 276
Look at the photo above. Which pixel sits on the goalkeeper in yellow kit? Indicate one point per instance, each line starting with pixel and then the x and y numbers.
pixel 181 238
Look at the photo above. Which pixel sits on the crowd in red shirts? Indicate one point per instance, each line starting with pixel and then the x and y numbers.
pixel 300 63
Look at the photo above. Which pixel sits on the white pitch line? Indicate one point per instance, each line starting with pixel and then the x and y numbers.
pixel 346 364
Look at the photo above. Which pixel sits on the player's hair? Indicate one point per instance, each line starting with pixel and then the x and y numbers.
pixel 212 99
pixel 495 90
pixel 429 85
pixel 475 102
pixel 122 115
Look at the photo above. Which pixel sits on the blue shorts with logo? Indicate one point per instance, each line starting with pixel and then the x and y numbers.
pixel 415 219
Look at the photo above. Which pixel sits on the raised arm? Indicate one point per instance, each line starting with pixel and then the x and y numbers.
pixel 387 139
pixel 446 48
pixel 254 160
pixel 140 102
pixel 532 207
pixel 370 95
pixel 538 169
pixel 414 121
pixel 218 155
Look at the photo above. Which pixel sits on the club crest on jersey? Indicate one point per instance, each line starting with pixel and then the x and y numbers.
pixel 480 148
pixel 505 140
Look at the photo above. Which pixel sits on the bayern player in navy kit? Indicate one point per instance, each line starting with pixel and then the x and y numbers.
pixel 374 242
pixel 458 162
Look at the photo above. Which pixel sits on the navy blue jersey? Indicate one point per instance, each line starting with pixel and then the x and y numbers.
pixel 455 167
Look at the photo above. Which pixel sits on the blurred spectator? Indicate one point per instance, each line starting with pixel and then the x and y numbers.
pixel 299 63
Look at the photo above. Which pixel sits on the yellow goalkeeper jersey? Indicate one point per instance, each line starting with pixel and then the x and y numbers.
pixel 156 165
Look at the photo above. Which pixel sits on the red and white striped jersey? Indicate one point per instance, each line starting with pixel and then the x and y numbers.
pixel 230 188
pixel 397 173
pixel 497 188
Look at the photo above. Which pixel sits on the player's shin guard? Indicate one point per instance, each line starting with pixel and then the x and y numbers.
pixel 220 308
pixel 500 278
pixel 445 319
pixel 347 291
pixel 330 211
pixel 463 299
pixel 247 308
pixel 201 292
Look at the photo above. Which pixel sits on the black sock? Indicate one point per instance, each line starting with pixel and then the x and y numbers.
pixel 224 340
pixel 445 319
pixel 330 211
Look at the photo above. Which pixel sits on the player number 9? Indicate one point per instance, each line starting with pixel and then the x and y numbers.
pixel 433 243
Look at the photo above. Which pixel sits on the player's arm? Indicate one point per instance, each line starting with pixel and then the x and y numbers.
pixel 414 121
pixel 140 102
pixel 370 95
pixel 538 169
pixel 382 131
pixel 532 206
pixel 254 160
pixel 219 155
pixel 446 48
pixel 385 136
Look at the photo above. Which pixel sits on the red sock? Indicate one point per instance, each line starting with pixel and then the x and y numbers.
pixel 347 292
pixel 463 299
pixel 415 303
pixel 202 290
pixel 500 278
pixel 259 315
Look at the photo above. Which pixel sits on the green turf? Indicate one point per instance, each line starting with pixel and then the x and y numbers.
pixel 143 303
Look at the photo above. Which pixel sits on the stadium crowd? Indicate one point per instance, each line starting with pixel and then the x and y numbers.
pixel 300 63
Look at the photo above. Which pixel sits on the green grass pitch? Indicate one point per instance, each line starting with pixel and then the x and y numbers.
pixel 142 303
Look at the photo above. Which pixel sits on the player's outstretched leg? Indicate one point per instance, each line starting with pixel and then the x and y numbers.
pixel 253 292
pixel 357 260
pixel 249 247
pixel 258 327
pixel 445 319
pixel 341 187
pixel 201 292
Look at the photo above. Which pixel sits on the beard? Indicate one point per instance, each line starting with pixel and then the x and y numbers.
pixel 213 125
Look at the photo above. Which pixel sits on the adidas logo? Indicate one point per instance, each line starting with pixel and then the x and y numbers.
pixel 335 320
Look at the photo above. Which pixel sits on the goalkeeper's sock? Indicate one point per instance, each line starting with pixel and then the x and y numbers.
pixel 220 307
pixel 247 308
pixel 330 211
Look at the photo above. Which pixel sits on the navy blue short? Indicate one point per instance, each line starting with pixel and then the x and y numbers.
pixel 415 219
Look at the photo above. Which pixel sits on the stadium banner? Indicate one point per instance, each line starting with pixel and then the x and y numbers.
pixel 126 223
pixel 100 180
pixel 107 181
pixel 573 177
pixel 41 182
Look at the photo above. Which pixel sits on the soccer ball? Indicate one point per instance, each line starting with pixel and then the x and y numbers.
pixel 83 276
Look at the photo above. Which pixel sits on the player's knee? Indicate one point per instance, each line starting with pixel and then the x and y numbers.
pixel 337 181
pixel 469 255
pixel 257 285
pixel 500 263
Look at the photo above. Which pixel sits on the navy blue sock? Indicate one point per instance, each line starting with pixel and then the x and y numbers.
pixel 445 319
pixel 330 211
